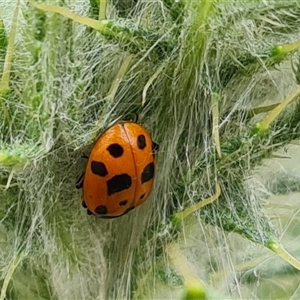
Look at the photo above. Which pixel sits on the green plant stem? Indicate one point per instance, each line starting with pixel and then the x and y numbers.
pixel 102 9
pixel 281 252
pixel 100 26
pixel 182 215
pixel 150 81
pixel 274 113
pixel 4 84
pixel 193 284
pixel 126 33
pixel 215 116
pixel 14 264
pixel 284 49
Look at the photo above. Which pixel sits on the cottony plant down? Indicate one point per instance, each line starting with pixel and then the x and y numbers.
pixel 217 85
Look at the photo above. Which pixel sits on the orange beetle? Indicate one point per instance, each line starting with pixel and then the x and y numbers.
pixel 120 171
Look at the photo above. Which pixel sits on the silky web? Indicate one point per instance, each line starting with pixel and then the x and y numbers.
pixel 203 77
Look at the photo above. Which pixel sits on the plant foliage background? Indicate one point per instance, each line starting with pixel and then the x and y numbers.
pixel 205 77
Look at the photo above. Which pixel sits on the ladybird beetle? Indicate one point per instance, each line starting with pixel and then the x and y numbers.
pixel 120 170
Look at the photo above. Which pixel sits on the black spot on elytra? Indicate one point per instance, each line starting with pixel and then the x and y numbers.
pixel 148 172
pixel 155 148
pixel 141 141
pixel 98 168
pixel 142 196
pixel 83 204
pixel 101 210
pixel 123 203
pixel 115 150
pixel 118 183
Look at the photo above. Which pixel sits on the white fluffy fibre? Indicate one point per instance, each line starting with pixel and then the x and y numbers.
pixel 163 60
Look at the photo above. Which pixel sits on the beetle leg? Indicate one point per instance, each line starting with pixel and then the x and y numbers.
pixel 79 182
pixel 84 156
pixel 155 147
pixel 136 119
